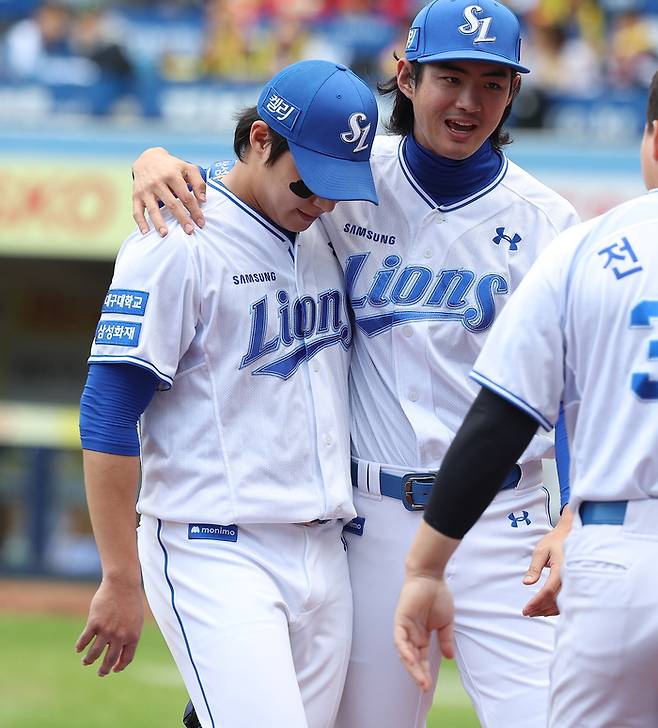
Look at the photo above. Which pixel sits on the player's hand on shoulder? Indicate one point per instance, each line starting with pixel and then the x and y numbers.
pixel 425 605
pixel 160 177
pixel 548 553
pixel 114 624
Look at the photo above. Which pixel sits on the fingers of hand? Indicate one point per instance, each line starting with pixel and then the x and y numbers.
pixel 120 651
pixel 189 200
pixel 85 638
pixel 127 655
pixel 544 603
pixel 193 176
pixel 446 641
pixel 139 217
pixel 112 654
pixel 539 561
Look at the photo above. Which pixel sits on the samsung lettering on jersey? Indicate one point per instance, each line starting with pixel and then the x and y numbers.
pixel 254 278
pixel 368 234
pixel 306 325
pixel 448 295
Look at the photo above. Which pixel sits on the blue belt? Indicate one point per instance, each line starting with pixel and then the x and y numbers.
pixel 414 489
pixel 602 513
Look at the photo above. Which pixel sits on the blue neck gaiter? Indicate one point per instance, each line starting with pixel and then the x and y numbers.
pixel 448 181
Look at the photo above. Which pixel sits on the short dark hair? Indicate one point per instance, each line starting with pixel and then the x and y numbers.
pixel 652 103
pixel 245 120
pixel 401 120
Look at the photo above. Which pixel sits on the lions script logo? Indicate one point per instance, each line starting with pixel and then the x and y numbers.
pixel 357 133
pixel 305 327
pixel 477 25
pixel 418 293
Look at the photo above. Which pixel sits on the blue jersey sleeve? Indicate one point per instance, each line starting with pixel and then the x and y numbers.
pixel 562 458
pixel 113 398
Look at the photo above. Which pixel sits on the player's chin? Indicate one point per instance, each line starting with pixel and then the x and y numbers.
pixel 303 221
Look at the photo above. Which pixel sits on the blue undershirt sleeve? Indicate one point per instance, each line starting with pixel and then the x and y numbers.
pixel 562 458
pixel 113 398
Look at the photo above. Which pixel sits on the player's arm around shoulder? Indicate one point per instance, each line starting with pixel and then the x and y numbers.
pixel 160 177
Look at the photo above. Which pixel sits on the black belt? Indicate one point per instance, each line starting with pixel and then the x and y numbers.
pixel 414 489
pixel 602 513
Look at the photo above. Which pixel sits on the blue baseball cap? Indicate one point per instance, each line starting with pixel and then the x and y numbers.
pixel 329 117
pixel 452 30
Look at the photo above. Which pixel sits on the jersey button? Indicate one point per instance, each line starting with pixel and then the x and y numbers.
pixel 440 219
pixel 407 331
pixel 327 439
pixel 413 395
pixel 315 366
pixel 427 252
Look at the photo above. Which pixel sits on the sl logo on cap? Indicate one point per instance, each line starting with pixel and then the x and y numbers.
pixel 357 132
pixel 476 25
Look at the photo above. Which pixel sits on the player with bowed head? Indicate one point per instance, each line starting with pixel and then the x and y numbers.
pixel 426 273
pixel 233 347
pixel 587 311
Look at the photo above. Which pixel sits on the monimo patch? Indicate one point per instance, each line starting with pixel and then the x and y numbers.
pixel 355 526
pixel 212 531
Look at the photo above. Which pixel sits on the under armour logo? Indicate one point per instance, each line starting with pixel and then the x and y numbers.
pixel 519 519
pixel 357 132
pixel 476 25
pixel 513 241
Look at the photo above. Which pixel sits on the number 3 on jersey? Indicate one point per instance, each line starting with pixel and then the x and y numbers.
pixel 641 382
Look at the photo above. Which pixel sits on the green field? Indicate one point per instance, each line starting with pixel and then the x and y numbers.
pixel 43 684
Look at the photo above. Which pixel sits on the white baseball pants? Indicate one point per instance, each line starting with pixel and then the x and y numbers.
pixel 260 628
pixel 503 657
pixel 604 670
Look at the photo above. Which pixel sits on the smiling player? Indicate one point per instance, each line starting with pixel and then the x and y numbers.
pixel 426 273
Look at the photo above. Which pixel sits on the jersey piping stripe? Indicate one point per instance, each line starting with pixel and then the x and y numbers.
pixel 410 178
pixel 512 398
pixel 548 505
pixel 455 205
pixel 245 208
pixel 110 359
pixel 481 193
pixel 180 621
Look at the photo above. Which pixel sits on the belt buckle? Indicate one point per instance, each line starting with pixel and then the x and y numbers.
pixel 408 490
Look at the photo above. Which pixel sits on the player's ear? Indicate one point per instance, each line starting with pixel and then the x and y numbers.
pixel 406 78
pixel 515 86
pixel 259 139
pixel 653 132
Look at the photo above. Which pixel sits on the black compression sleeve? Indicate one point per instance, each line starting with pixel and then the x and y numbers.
pixel 486 447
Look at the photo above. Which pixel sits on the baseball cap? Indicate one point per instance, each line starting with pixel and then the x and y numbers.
pixel 329 117
pixel 452 30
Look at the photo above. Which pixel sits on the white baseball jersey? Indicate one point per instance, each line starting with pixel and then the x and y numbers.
pixel 582 327
pixel 425 284
pixel 249 337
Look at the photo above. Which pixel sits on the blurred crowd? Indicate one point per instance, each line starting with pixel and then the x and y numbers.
pixel 112 51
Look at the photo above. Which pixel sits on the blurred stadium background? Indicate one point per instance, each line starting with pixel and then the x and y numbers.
pixel 85 86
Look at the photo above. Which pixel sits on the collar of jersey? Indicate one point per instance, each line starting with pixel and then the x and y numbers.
pixel 472 197
pixel 278 232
